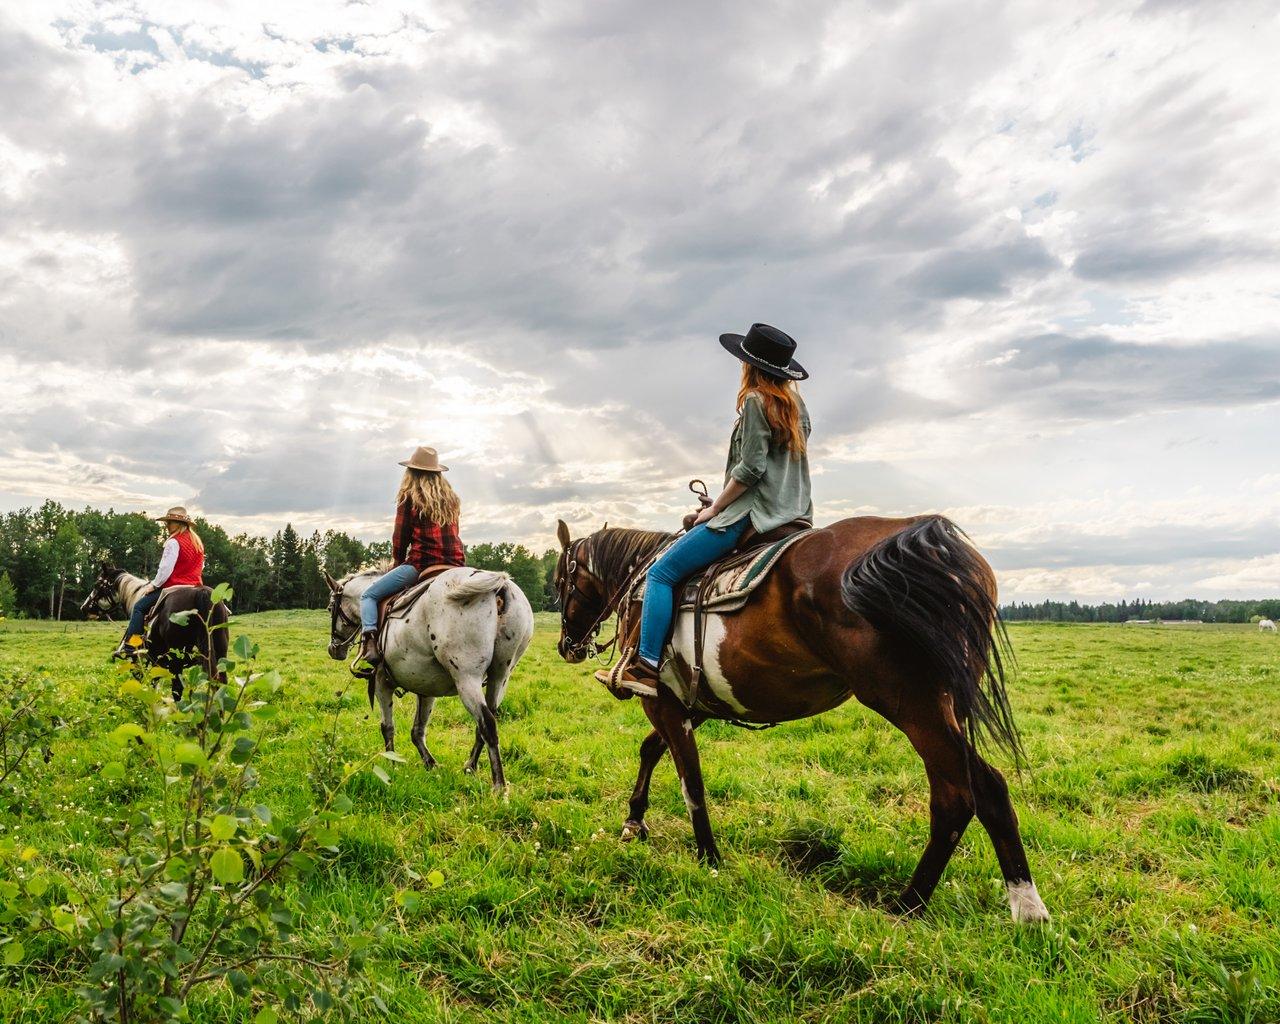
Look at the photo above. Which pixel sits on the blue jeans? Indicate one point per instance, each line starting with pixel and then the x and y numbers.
pixel 398 579
pixel 696 550
pixel 141 606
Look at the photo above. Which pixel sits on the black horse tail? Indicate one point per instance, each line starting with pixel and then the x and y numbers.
pixel 927 587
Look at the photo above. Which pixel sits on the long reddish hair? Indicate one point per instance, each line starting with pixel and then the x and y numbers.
pixel 781 407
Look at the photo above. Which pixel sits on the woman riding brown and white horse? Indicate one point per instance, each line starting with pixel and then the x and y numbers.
pixel 766 485
pixel 899 613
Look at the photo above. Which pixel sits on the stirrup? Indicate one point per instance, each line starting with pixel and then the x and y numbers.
pixel 625 689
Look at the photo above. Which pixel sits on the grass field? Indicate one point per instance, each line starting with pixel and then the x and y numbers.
pixel 1150 815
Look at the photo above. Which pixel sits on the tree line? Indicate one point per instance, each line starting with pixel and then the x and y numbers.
pixel 1123 611
pixel 50 556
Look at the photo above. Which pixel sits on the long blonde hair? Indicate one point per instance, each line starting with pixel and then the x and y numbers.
pixel 195 537
pixel 430 494
pixel 781 407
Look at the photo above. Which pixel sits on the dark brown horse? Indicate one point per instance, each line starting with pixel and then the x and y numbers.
pixel 899 613
pixel 173 646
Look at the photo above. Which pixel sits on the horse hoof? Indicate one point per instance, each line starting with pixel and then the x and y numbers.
pixel 1025 903
pixel 633 830
pixel 468 769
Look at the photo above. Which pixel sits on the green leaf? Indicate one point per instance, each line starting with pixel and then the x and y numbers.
pixel 176 869
pixel 266 1016
pixel 408 899
pixel 222 592
pixel 435 878
pixel 113 771
pixel 239 982
pixel 227 866
pixel 128 731
pixel 223 827
pixel 380 774
pixel 181 618
pixel 189 753
pixel 243 648
pixel 263 813
pixel 13 953
pixel 38 885
pixel 391 755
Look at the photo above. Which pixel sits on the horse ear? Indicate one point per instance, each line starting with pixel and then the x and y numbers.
pixel 562 533
pixel 333 584
pixel 605 527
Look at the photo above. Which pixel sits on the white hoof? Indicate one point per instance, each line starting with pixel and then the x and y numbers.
pixel 1025 903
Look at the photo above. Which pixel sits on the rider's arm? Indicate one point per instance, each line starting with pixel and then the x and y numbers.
pixel 753 454
pixel 733 490
pixel 402 534
pixel 168 559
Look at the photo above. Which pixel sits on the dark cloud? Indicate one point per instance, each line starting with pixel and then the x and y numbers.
pixel 1099 378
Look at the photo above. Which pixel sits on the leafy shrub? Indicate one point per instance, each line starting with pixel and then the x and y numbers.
pixel 192 894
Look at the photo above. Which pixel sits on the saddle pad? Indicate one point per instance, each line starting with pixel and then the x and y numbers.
pixel 733 585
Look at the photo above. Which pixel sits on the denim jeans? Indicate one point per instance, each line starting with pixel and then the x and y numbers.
pixel 696 550
pixel 141 606
pixel 398 579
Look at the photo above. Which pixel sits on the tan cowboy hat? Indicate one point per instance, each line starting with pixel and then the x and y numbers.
pixel 425 459
pixel 177 514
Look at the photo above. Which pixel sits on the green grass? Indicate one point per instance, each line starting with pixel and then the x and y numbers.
pixel 1150 817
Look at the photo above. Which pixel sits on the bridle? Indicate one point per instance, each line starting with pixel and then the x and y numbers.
pixel 589 646
pixel 338 614
pixel 104 596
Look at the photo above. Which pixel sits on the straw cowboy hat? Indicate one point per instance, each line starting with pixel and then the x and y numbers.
pixel 425 459
pixel 177 514
pixel 767 348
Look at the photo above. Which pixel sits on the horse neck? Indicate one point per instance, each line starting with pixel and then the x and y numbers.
pixel 615 555
pixel 128 589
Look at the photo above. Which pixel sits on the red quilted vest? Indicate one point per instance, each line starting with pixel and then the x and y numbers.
pixel 189 570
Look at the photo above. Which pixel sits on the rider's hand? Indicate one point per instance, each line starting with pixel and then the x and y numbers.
pixel 710 512
pixel 705 500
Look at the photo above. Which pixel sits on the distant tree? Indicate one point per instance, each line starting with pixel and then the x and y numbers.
pixel 525 568
pixel 288 589
pixel 8 596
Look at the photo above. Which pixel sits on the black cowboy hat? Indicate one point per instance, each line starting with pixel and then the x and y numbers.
pixel 768 349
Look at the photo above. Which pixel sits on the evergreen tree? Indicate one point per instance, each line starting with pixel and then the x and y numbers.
pixel 8 596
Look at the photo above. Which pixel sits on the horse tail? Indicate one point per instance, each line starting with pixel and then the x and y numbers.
pixel 928 587
pixel 480 583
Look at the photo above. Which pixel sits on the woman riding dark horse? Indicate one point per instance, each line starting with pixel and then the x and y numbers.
pixel 181 565
pixel 426 534
pixel 766 485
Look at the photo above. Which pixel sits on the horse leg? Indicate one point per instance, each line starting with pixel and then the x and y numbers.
pixel 386 709
pixel 419 731
pixel 471 690
pixel 942 747
pixel 651 751
pixel 676 727
pixel 996 813
pixel 493 697
pixel 951 763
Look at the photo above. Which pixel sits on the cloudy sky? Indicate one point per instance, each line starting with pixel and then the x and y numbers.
pixel 252 253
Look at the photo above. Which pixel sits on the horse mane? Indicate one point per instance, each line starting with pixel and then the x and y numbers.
pixel 379 568
pixel 614 551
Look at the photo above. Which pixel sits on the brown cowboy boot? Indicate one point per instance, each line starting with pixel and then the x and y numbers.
pixel 369 654
pixel 633 676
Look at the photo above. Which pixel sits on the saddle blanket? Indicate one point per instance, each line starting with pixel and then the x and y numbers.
pixel 734 582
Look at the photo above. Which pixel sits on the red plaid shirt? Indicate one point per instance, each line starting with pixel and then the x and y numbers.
pixel 419 542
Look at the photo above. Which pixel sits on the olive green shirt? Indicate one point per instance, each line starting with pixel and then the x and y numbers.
pixel 777 484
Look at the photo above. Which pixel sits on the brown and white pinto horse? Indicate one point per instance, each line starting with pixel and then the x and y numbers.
pixel 899 613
